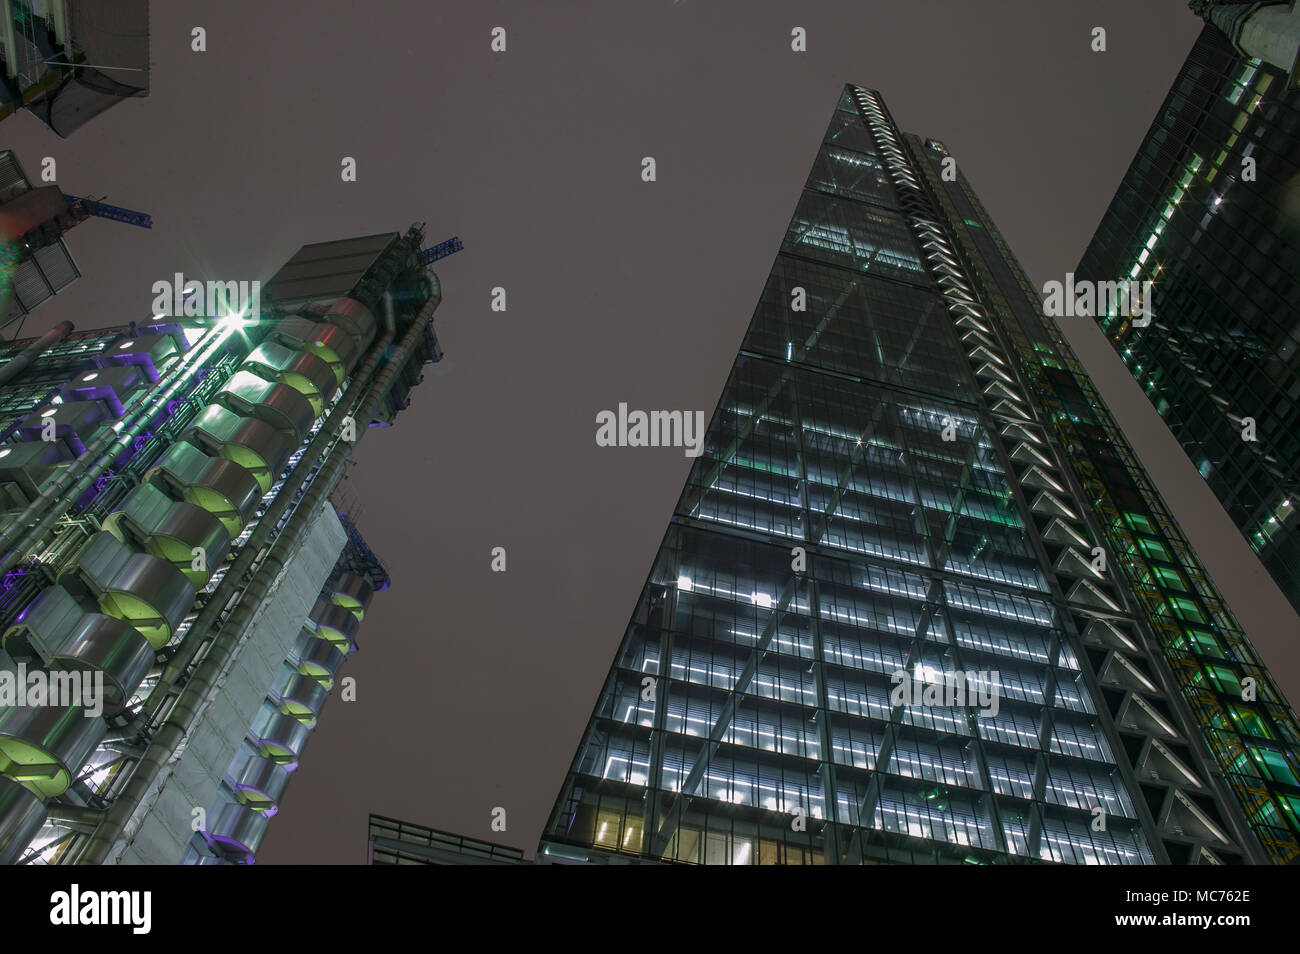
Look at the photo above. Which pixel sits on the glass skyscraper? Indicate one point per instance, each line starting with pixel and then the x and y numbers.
pixel 918 602
pixel 1209 211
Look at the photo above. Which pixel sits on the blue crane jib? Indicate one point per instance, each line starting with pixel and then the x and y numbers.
pixel 441 250
pixel 105 211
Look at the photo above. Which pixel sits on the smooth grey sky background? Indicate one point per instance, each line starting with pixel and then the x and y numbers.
pixel 473 687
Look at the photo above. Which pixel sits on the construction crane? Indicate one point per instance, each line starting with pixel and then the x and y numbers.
pixel 40 217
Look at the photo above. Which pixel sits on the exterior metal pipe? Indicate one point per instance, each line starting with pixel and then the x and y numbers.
pixel 55 500
pixel 78 815
pixel 33 351
pixel 192 697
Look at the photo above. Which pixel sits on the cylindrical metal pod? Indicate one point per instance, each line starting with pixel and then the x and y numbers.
pixel 21 816
pixel 111 646
pixel 256 445
pixel 239 831
pixel 223 488
pixel 355 318
pixel 328 342
pixel 148 593
pixel 352 591
pixel 151 595
pixel 335 624
pixel 44 746
pixel 171 530
pixel 43 625
pixel 261 783
pixel 277 404
pixel 297 695
pixel 317 658
pixel 279 737
pixel 300 369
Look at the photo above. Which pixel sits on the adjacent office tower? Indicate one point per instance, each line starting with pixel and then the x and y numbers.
pixel 35 263
pixel 390 841
pixel 918 602
pixel 173 605
pixel 70 60
pixel 1209 211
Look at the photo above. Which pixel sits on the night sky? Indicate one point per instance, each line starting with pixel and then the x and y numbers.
pixel 473 687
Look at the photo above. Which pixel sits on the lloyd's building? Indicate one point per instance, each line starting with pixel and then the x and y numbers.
pixel 909 480
pixel 167 532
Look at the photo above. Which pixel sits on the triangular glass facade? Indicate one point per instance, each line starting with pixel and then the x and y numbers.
pixel 858 513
